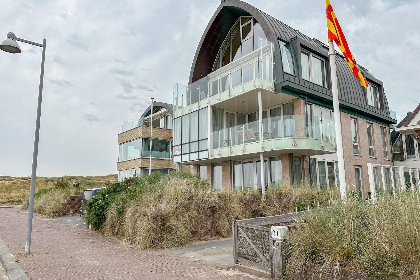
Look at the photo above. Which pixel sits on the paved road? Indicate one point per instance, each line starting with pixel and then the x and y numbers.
pixel 64 251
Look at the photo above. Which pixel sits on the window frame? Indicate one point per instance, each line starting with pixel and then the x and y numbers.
pixel 370 96
pixel 357 136
pixel 310 55
pixel 384 136
pixel 371 147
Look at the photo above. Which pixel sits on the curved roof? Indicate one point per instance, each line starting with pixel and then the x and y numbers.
pixel 156 107
pixel 351 93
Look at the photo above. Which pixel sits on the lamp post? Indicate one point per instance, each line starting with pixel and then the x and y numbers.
pixel 151 139
pixel 11 46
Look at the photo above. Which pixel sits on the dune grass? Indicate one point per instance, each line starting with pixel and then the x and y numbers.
pixel 380 239
pixel 171 211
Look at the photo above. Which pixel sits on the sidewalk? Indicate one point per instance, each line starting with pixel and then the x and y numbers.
pixel 64 251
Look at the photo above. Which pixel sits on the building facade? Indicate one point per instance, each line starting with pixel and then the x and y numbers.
pixel 134 143
pixel 258 108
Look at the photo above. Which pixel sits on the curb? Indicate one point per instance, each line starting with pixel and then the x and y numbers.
pixel 10 265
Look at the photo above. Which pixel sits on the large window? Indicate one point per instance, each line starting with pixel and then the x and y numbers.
pixel 287 58
pixel 373 96
pixel 354 136
pixel 160 148
pixel 384 142
pixel 244 37
pixel 410 147
pixel 297 171
pixel 313 68
pixel 370 139
pixel 191 136
pixel 398 149
pixel 130 150
pixel 320 121
pixel 276 171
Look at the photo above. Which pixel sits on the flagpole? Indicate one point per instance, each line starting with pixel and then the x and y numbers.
pixel 339 138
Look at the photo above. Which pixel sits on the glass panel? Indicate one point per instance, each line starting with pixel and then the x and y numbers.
pixel 326 124
pixel 248 173
pixel 259 185
pixel 258 34
pixel 309 120
pixel 370 139
pixel 177 131
pixel 337 174
pixel 375 96
pixel 185 129
pixel 358 177
pixel 237 176
pixel 252 122
pixel 305 66
pixel 388 184
pixel 194 126
pixel 354 136
pixel 177 150
pixel 203 124
pixel 312 165
pixel 407 179
pixel 398 151
pixel 246 32
pixel 384 144
pixel 317 117
pixel 236 78
pixel 193 147
pixel 202 145
pixel 288 119
pixel 218 124
pixel 276 170
pixel 287 58
pixel 217 176
pixel 409 146
pixel 248 73
pixel 297 171
pixel 230 125
pixel 331 174
pixel 397 179
pixel 318 69
pixel 247 47
pixel 322 174
pixel 130 150
pixel 225 83
pixel 203 171
pixel 160 148
pixel 236 43
pixel 275 115
pixel 214 87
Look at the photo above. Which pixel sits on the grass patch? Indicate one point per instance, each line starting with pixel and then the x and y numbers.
pixel 171 211
pixel 381 239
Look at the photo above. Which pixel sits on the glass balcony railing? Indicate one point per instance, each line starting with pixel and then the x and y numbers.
pixel 129 125
pixel 254 70
pixel 281 127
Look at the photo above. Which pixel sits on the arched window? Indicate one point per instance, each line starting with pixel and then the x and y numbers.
pixel 244 37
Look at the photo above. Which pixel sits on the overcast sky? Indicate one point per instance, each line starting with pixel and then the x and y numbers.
pixel 103 57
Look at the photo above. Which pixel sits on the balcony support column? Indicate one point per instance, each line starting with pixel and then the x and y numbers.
pixel 260 132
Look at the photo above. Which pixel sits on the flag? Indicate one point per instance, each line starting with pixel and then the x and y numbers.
pixel 336 34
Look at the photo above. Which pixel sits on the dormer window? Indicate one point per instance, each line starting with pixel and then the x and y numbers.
pixel 313 68
pixel 373 96
pixel 287 58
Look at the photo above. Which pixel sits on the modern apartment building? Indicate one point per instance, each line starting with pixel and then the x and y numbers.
pixel 258 108
pixel 134 143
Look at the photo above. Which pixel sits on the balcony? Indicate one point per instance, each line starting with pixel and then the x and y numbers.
pixel 251 72
pixel 289 133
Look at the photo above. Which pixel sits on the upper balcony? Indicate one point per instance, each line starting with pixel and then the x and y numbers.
pixel 251 72
pixel 289 133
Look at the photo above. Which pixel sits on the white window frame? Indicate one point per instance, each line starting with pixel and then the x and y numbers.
pixel 310 54
pixel 357 136
pixel 372 138
pixel 385 148
pixel 370 96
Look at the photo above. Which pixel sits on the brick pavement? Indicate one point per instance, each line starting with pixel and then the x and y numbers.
pixel 64 251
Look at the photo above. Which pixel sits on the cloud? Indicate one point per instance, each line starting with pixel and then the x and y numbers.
pixel 122 72
pixel 61 83
pixel 91 118
pixel 59 60
pixel 77 42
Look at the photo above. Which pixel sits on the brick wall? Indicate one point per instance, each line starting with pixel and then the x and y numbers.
pixel 144 132
pixel 227 175
pixel 286 169
pixel 350 160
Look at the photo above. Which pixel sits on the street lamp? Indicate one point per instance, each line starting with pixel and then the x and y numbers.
pixel 11 46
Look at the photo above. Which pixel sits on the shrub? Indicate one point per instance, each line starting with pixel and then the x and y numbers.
pixel 380 239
